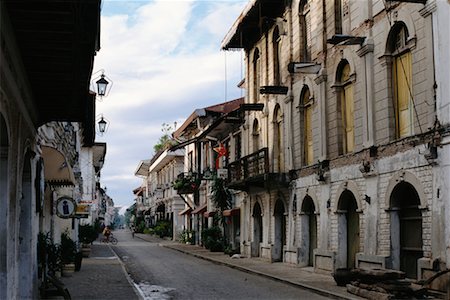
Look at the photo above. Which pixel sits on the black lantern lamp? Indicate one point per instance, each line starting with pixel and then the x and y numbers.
pixel 102 83
pixel 103 125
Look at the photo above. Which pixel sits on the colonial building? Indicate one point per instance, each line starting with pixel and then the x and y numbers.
pixel 45 67
pixel 349 142
pixel 199 135
pixel 156 199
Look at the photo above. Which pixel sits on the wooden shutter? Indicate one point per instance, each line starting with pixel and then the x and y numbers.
pixel 309 146
pixel 349 118
pixel 402 85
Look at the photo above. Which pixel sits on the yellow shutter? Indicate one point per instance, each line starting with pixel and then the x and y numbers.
pixel 349 117
pixel 309 146
pixel 402 81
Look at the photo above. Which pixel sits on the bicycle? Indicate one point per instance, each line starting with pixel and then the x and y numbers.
pixel 111 239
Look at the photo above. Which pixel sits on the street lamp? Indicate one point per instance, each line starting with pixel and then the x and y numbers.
pixel 102 83
pixel 103 125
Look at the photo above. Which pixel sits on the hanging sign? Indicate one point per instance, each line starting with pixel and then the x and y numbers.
pixel 65 207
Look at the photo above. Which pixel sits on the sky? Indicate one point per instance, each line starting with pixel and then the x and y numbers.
pixel 164 60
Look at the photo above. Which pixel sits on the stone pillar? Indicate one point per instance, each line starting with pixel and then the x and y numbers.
pixel 371 215
pixel 321 80
pixel 366 51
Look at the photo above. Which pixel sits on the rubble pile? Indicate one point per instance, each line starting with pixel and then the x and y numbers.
pixel 380 284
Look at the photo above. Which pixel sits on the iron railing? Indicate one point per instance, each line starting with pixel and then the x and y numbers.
pixel 250 166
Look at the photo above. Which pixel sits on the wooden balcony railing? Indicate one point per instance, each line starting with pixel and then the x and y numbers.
pixel 249 167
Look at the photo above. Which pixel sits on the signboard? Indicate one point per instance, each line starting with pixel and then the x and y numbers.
pixel 222 173
pixel 65 207
pixel 83 210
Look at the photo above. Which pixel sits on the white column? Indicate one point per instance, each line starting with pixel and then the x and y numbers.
pixel 366 51
pixel 321 80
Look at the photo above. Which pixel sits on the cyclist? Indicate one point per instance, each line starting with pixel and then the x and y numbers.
pixel 107 233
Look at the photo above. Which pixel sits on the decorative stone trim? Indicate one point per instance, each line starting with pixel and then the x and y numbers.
pixel 367 48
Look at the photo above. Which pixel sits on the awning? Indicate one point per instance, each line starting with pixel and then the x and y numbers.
pixel 186 211
pixel 200 209
pixel 56 169
pixel 231 212
pixel 208 214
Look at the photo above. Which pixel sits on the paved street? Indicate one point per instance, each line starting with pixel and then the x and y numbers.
pixel 163 273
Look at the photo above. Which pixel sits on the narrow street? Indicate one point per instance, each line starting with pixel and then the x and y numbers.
pixel 162 273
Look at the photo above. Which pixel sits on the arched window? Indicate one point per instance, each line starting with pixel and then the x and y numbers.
pixel 347 107
pixel 276 44
pixel 305 31
pixel 256 75
pixel 401 80
pixel 307 111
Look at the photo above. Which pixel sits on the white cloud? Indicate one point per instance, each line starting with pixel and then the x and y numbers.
pixel 165 61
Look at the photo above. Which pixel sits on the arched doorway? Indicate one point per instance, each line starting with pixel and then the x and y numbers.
pixel 348 229
pixel 309 228
pixel 161 212
pixel 406 229
pixel 27 246
pixel 280 230
pixel 4 147
pixel 257 229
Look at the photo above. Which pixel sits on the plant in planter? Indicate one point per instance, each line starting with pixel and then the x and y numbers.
pixel 49 255
pixel 187 237
pixel 212 238
pixel 186 184
pixel 86 235
pixel 68 253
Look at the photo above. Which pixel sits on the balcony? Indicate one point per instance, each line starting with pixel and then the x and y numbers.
pixel 253 171
pixel 186 183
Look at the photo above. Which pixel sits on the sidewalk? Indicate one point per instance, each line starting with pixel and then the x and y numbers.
pixel 291 274
pixel 101 276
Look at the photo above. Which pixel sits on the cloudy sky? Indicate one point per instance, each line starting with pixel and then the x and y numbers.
pixel 165 61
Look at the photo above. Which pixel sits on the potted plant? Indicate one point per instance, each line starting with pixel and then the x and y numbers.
pixel 68 253
pixel 86 235
pixel 186 184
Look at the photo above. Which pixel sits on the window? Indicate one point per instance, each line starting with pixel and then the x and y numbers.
pixel 307 108
pixel 338 16
pixel 276 43
pixel 402 81
pixel 237 146
pixel 191 161
pixel 305 31
pixel 256 75
pixel 347 108
pixel 256 135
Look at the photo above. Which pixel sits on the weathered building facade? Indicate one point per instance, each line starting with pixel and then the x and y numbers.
pixel 37 87
pixel 350 123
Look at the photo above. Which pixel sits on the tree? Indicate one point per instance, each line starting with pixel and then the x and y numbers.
pixel 165 141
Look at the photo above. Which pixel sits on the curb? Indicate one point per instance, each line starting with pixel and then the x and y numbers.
pixel 137 291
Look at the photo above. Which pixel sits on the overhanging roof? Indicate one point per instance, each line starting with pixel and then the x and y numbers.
pixel 57 41
pixel 217 109
pixel 164 158
pixel 256 18
pixel 142 168
pixel 57 171
pixel 99 153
